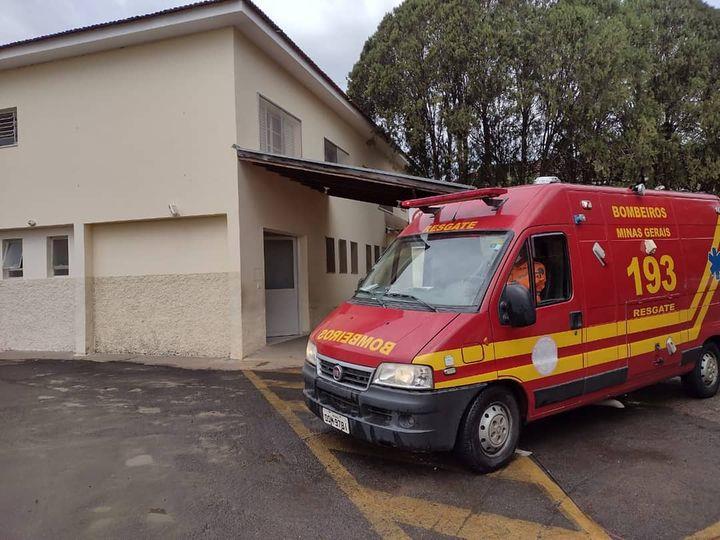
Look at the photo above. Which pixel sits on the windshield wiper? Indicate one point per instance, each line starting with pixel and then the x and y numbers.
pixel 411 297
pixel 377 297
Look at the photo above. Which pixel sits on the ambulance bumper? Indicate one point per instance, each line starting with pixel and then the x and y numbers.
pixel 425 421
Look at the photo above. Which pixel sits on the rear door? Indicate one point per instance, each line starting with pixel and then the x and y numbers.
pixel 649 280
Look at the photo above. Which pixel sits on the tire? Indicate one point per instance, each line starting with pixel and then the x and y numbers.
pixel 703 381
pixel 494 412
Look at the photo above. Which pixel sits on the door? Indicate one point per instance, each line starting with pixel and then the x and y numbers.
pixel 546 356
pixel 281 289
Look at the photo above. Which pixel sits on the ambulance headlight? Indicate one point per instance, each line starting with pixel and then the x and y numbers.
pixel 311 353
pixel 411 376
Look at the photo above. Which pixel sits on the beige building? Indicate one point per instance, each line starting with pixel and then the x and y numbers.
pixel 187 182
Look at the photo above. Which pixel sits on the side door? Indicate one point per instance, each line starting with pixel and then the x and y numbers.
pixel 546 357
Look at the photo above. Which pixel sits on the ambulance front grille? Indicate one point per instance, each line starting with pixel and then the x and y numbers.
pixel 353 375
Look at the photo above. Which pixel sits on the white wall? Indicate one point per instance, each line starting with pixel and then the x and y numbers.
pixel 119 135
pixel 37 310
pixel 161 287
pixel 196 245
pixel 270 202
pixel 108 140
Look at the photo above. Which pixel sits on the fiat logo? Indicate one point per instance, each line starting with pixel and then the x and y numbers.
pixel 337 373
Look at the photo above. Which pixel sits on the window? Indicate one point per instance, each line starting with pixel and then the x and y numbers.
pixel 59 261
pixel 368 259
pixel 12 259
pixel 330 255
pixel 415 271
pixel 353 258
pixel 549 251
pixel 377 253
pixel 335 154
pixel 279 263
pixel 342 248
pixel 8 127
pixel 279 131
pixel 551 282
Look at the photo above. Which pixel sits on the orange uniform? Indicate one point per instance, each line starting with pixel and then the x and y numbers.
pixel 519 274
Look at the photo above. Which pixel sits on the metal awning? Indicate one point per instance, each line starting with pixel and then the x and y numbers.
pixel 357 183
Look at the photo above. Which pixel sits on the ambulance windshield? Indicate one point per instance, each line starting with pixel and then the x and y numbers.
pixel 434 271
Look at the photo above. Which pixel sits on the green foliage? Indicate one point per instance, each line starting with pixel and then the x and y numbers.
pixel 596 91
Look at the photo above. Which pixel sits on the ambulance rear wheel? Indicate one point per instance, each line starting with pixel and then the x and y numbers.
pixel 489 433
pixel 703 381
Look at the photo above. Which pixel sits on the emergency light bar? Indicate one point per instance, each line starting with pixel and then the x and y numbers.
pixel 487 195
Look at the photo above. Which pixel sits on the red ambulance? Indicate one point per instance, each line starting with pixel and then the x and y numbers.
pixel 496 307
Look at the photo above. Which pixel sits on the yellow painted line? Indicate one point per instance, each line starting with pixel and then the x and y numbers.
pixel 461 522
pixel 524 469
pixel 277 383
pixel 369 506
pixel 334 440
pixel 384 511
pixel 297 405
pixel 711 533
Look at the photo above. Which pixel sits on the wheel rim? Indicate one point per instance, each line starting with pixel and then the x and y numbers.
pixel 709 369
pixel 495 427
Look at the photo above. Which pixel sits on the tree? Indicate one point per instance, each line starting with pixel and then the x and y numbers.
pixel 595 91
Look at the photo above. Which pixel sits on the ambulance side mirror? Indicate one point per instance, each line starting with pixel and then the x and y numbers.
pixel 517 307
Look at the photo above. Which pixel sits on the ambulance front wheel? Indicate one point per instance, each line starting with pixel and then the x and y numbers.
pixel 704 380
pixel 489 433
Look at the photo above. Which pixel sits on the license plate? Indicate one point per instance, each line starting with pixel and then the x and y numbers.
pixel 338 421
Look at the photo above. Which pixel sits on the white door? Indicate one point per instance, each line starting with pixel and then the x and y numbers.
pixel 281 290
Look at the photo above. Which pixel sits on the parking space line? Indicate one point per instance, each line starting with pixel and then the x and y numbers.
pixel 384 511
pixel 463 523
pixel 524 469
pixel 360 497
pixel 711 533
pixel 284 384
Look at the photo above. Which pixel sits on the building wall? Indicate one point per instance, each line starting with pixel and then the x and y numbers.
pixel 105 139
pixel 271 202
pixel 108 140
pixel 121 134
pixel 36 311
pixel 161 287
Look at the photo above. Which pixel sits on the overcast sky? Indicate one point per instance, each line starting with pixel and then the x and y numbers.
pixel 331 32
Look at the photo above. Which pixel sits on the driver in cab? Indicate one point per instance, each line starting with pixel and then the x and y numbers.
pixel 520 275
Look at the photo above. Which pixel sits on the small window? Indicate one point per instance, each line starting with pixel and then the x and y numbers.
pixel 335 154
pixel 279 263
pixel 377 253
pixel 8 127
pixel 368 258
pixel 12 259
pixel 551 281
pixel 342 249
pixel 552 268
pixel 353 258
pixel 330 255
pixel 279 131
pixel 59 260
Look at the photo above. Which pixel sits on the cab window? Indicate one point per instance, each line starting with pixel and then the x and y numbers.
pixel 547 254
pixel 553 284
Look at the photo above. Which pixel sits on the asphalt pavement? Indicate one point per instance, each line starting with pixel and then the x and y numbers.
pixel 119 450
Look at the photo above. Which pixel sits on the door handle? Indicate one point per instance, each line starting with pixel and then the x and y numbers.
pixel 576 320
